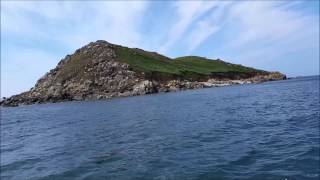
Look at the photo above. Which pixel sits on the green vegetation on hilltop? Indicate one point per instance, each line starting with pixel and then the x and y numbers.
pixel 207 66
pixel 95 72
pixel 154 64
pixel 146 61
pixel 189 65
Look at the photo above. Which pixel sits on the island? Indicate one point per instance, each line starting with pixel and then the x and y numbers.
pixel 101 70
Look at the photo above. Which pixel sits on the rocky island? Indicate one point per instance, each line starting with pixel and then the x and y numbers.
pixel 101 70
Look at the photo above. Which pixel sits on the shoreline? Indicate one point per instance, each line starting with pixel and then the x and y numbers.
pixel 101 70
pixel 211 83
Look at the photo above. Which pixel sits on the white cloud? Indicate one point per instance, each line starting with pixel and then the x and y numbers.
pixel 259 34
pixel 186 12
pixel 271 35
pixel 201 33
pixel 252 22
pixel 68 25
pixel 75 23
pixel 207 26
pixel 266 21
pixel 24 68
pixel 251 33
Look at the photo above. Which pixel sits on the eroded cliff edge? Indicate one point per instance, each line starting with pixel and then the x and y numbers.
pixel 101 70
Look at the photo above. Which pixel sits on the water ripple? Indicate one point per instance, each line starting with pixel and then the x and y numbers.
pixel 263 131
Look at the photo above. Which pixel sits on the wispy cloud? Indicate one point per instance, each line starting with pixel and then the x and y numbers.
pixel 207 26
pixel 267 21
pixel 243 23
pixel 186 12
pixel 75 23
pixel 23 68
pixel 272 35
pixel 263 34
pixel 39 31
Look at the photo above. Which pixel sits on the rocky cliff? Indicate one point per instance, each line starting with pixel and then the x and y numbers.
pixel 101 70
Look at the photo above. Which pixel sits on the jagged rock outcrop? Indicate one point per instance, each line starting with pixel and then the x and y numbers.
pixel 95 72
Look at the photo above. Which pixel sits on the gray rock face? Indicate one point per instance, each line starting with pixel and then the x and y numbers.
pixel 97 77
pixel 93 72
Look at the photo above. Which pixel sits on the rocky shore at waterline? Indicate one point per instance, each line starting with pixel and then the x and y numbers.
pixel 101 70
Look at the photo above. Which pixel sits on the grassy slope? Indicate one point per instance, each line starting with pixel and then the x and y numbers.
pixel 146 61
pixel 207 66
pixel 73 67
pixel 186 66
pixel 154 64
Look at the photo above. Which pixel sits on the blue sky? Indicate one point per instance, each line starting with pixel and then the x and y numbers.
pixel 272 35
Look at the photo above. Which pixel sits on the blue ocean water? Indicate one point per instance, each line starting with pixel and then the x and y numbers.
pixel 259 131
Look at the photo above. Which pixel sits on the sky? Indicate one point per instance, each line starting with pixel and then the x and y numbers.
pixel 271 35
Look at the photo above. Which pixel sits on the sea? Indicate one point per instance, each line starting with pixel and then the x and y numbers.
pixel 256 131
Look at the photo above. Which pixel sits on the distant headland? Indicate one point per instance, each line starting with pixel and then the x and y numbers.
pixel 101 70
